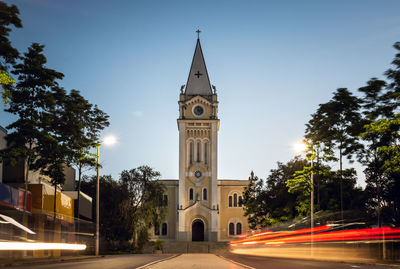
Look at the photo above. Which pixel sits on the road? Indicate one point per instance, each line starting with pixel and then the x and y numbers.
pixel 281 263
pixel 108 262
pixel 199 261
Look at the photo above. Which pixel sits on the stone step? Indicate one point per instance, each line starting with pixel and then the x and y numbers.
pixel 196 247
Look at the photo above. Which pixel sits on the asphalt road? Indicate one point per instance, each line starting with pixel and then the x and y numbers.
pixel 279 263
pixel 108 262
pixel 200 261
pixel 196 261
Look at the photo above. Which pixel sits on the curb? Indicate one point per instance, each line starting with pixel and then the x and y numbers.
pixel 158 261
pixel 47 261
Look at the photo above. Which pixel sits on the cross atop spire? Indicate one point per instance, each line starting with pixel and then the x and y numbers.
pixel 198 32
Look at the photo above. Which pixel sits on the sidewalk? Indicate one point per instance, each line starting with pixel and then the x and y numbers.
pixel 36 261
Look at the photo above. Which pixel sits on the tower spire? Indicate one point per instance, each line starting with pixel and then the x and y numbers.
pixel 198 82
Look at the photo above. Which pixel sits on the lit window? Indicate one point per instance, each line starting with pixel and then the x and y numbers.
pixel 238 228
pixel 231 229
pixel 230 201
pixel 164 229
pixel 235 200
pixel 204 194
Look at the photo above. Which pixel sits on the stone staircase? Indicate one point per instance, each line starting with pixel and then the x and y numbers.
pixel 194 247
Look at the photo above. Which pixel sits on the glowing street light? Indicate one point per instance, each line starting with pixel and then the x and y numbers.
pixel 108 141
pixel 300 147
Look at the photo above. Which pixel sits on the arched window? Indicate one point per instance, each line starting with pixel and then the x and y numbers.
pixel 235 200
pixel 165 200
pixel 191 194
pixel 198 151
pixel 238 228
pixel 231 229
pixel 205 194
pixel 230 200
pixel 206 153
pixel 164 229
pixel 240 201
pixel 191 152
pixel 156 229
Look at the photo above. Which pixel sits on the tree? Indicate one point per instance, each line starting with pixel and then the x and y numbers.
pixel 144 204
pixel 339 126
pixel 301 185
pixel 375 105
pixel 270 202
pixel 30 101
pixel 76 124
pixel 136 201
pixel 380 103
pixel 8 54
pixel 388 156
pixel 393 75
pixel 253 203
pixel 112 233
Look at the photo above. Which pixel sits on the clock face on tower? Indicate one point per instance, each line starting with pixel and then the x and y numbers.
pixel 197 174
pixel 198 110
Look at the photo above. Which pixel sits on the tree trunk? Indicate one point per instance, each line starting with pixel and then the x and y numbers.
pixel 341 182
pixel 318 180
pixel 378 189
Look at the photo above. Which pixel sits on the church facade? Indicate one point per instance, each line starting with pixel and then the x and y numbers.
pixel 200 206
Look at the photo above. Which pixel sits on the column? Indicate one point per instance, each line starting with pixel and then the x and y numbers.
pixel 214 186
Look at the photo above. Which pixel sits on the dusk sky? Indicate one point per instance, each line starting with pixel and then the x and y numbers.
pixel 272 62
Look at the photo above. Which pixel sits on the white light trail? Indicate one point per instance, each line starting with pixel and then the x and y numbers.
pixel 40 246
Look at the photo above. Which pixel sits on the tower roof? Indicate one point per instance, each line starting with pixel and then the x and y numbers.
pixel 198 82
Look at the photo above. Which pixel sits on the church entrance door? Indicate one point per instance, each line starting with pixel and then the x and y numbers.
pixel 198 230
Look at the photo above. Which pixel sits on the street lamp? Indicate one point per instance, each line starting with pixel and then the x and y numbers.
pixel 302 147
pixel 109 140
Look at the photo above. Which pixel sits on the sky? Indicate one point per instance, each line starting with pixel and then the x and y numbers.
pixel 273 63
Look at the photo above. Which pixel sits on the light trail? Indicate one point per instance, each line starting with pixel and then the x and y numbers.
pixel 320 234
pixel 40 246
pixel 323 242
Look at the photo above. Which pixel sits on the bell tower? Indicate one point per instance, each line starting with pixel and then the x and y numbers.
pixel 198 126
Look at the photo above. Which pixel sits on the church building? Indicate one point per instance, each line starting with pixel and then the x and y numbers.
pixel 201 207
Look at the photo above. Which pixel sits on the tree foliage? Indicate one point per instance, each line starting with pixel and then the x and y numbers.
pixel 9 17
pixel 128 207
pixel 270 202
pixel 143 206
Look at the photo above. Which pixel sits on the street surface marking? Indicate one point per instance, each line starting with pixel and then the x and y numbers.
pixel 197 261
pixel 154 262
pixel 238 263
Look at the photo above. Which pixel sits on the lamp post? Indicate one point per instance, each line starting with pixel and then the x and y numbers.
pixel 302 147
pixel 98 201
pixel 109 140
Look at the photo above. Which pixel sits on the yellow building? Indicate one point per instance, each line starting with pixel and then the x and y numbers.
pixel 201 207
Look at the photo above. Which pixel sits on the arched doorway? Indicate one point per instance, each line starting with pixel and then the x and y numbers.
pixel 198 230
